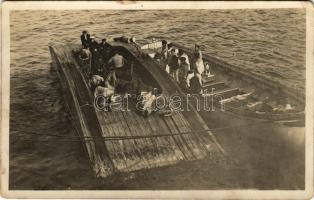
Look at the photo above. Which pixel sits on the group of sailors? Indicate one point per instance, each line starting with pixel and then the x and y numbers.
pixel 94 54
pixel 100 60
pixel 187 72
pixel 101 64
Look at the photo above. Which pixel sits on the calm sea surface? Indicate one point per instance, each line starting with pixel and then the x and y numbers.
pixel 269 42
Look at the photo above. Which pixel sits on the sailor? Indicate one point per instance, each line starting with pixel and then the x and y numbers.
pixel 93 45
pixel 96 81
pixel 194 82
pixel 85 57
pixel 132 40
pixel 182 54
pixel 170 48
pixel 107 90
pixel 164 49
pixel 197 50
pixel 207 69
pixel 173 62
pixel 103 96
pixel 184 66
pixel 95 63
pixel 184 62
pixel 146 105
pixel 115 63
pixel 85 39
pixel 103 49
pixel 199 64
pixel 164 54
pixel 117 60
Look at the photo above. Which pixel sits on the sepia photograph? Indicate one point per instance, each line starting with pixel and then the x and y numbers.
pixel 135 99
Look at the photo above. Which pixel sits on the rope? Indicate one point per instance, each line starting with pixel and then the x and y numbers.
pixel 114 138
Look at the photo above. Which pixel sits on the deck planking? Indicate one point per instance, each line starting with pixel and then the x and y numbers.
pixel 154 151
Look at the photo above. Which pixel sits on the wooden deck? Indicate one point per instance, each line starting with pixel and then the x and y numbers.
pixel 139 142
pixel 124 141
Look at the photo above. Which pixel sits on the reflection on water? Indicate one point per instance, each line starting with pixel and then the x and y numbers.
pixel 269 42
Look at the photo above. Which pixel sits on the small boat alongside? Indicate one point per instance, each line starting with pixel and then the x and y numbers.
pixel 242 93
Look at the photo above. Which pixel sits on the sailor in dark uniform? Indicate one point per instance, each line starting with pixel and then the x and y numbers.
pixel 104 49
pixel 85 39
pixel 95 62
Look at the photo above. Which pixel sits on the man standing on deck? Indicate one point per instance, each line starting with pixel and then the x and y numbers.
pixel 164 54
pixel 95 63
pixel 199 64
pixel 115 63
pixel 173 62
pixel 184 55
pixel 104 50
pixel 184 67
pixel 85 39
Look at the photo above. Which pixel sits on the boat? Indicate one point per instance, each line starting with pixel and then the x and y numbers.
pixel 122 140
pixel 240 91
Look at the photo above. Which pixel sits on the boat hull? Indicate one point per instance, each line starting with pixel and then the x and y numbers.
pixel 237 77
pixel 83 115
pixel 123 141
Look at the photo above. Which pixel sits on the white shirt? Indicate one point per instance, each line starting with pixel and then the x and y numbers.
pixel 188 78
pixel 200 66
pixel 96 80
